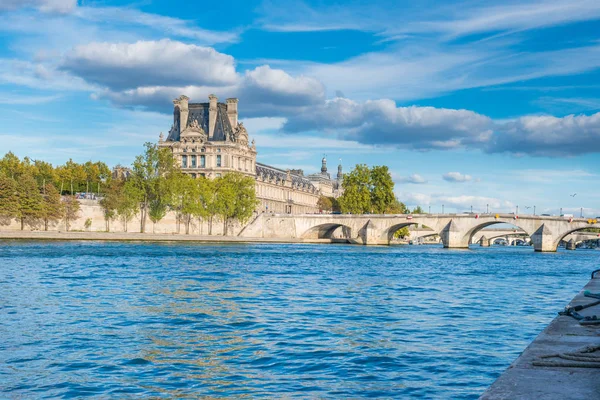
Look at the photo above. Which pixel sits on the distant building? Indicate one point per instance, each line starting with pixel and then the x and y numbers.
pixel 121 172
pixel 207 140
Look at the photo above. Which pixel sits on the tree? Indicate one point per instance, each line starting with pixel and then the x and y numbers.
pixel 156 211
pixel 242 197
pixel 71 209
pixel 30 206
pixel 357 195
pixel 113 194
pixel 45 173
pixel 128 203
pixel 324 203
pixel 418 210
pixel 150 170
pixel 382 189
pixel 11 166
pixel 9 199
pixel 397 207
pixel 53 208
pixel 367 190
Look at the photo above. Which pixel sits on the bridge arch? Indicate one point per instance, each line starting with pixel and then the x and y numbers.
pixel 326 231
pixel 514 223
pixel 388 234
pixel 563 235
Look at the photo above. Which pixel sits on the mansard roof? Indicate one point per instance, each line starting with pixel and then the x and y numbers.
pixel 263 170
pixel 199 112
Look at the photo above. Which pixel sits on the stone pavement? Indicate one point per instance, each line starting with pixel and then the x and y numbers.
pixel 522 380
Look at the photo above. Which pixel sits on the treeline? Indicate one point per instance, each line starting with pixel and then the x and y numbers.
pixel 29 190
pixel 37 193
pixel 156 185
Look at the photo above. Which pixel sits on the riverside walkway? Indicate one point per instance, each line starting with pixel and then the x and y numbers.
pixel 531 377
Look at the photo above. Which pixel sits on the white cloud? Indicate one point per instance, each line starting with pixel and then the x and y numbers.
pixel 549 136
pixel 456 177
pixel 49 6
pixel 382 122
pixel 148 63
pixel 414 178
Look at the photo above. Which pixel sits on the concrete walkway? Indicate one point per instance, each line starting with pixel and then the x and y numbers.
pixel 147 237
pixel 522 380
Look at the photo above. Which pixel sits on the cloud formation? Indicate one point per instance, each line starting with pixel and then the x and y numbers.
pixel 119 66
pixel 549 136
pixel 47 6
pixel 382 122
pixel 414 178
pixel 456 177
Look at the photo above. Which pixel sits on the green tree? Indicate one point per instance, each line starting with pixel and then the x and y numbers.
pixel 128 203
pixel 382 189
pixel 149 174
pixel 71 210
pixel 30 207
pixel 356 198
pixel 324 203
pixel 113 195
pixel 9 199
pixel 52 206
pixel 241 195
pixel 45 173
pixel 397 207
pixel 418 210
pixel 11 166
pixel 157 211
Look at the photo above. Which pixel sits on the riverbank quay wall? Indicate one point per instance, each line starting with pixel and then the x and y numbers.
pixel 526 379
pixel 91 210
pixel 455 230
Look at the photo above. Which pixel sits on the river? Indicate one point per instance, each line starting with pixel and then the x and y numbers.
pixel 132 320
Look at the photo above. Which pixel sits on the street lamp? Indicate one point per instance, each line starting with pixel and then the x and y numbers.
pixel 581 213
pixel 517 210
pixel 442 208
pixel 429 209
pixel 533 210
pixel 471 209
pixel 487 208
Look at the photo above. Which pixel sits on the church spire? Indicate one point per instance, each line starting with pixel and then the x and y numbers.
pixel 324 165
pixel 340 175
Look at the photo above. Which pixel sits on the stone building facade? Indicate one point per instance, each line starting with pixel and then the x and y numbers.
pixel 208 140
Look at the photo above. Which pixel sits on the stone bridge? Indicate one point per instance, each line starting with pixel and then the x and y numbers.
pixel 455 230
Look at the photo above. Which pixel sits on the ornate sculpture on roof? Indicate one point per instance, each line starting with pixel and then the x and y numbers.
pixel 241 134
pixel 161 138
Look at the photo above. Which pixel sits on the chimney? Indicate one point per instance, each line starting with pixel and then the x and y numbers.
pixel 212 115
pixel 182 104
pixel 232 112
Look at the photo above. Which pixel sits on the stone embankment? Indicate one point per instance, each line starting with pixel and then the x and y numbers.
pixel 147 237
pixel 560 363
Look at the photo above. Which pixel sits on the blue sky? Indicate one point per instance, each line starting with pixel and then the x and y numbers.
pixel 468 103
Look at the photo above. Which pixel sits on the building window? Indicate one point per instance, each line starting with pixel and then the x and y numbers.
pixel 202 174
pixel 218 150
pixel 202 150
pixel 218 175
pixel 193 161
pixel 203 161
pixel 219 160
pixel 183 161
pixel 194 176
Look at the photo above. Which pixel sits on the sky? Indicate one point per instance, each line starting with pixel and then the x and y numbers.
pixel 469 103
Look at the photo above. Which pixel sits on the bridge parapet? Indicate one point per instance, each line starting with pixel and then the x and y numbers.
pixel 455 230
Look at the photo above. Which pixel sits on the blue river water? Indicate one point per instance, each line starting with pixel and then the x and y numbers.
pixel 139 320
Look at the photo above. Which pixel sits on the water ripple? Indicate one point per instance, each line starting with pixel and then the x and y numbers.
pixel 123 320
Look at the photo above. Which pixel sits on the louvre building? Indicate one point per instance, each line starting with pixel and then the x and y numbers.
pixel 208 140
